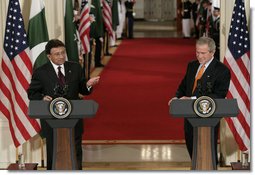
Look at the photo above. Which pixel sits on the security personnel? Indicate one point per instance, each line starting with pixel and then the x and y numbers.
pixel 97 30
pixel 186 17
pixel 129 4
pixel 215 31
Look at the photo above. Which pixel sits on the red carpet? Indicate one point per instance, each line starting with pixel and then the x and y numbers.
pixel 134 90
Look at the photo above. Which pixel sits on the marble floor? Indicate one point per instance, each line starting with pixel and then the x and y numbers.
pixel 136 157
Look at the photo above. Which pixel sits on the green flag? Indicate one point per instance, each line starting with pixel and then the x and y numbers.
pixel 97 27
pixel 115 15
pixel 70 33
pixel 37 33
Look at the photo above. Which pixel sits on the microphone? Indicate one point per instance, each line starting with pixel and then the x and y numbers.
pixel 209 85
pixel 60 90
pixel 199 87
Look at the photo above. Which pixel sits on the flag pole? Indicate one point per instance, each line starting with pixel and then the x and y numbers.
pixel 17 155
pixel 42 152
pixel 239 155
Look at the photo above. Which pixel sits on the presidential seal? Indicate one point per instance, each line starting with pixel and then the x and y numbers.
pixel 60 108
pixel 204 106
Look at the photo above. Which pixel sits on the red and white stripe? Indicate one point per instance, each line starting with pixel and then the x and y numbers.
pixel 15 77
pixel 107 17
pixel 84 28
pixel 240 89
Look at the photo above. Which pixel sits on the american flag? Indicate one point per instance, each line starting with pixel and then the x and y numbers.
pixel 107 17
pixel 15 76
pixel 237 58
pixel 84 27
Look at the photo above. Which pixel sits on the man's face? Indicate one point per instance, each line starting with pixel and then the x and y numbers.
pixel 203 54
pixel 216 13
pixel 57 55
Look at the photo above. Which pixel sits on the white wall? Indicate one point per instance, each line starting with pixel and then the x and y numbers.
pixel 139 9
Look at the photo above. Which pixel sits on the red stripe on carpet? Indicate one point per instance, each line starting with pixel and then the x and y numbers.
pixel 134 90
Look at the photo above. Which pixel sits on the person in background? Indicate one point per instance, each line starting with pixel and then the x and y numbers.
pixel 186 16
pixel 206 76
pixel 129 4
pixel 122 16
pixel 97 30
pixel 195 7
pixel 203 14
pixel 215 31
pixel 59 73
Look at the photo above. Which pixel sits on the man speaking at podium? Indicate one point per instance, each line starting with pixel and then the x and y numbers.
pixel 205 76
pixel 58 78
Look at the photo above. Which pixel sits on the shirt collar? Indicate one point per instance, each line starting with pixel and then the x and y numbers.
pixel 208 63
pixel 55 66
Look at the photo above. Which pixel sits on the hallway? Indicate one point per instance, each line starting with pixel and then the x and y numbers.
pixel 155 29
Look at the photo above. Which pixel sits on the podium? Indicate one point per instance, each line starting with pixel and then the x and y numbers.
pixel 203 156
pixel 64 153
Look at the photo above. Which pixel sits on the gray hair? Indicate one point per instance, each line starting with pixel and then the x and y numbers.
pixel 207 41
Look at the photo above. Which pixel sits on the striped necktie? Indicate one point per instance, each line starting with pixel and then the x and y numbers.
pixel 61 77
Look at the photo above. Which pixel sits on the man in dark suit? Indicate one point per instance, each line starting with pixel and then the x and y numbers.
pixel 214 82
pixel 215 30
pixel 129 4
pixel 43 85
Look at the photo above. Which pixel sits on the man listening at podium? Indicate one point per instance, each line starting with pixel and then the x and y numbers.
pixel 205 76
pixel 46 83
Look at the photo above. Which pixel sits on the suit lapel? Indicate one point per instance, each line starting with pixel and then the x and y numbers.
pixel 68 72
pixel 208 72
pixel 193 73
pixel 51 72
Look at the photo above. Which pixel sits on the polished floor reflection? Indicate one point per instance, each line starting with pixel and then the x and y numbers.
pixel 169 157
pixel 136 157
pixel 135 153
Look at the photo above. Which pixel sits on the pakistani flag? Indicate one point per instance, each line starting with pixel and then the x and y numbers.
pixel 71 37
pixel 97 27
pixel 115 15
pixel 37 33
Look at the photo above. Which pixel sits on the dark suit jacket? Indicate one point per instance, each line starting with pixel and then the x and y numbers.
pixel 214 82
pixel 44 80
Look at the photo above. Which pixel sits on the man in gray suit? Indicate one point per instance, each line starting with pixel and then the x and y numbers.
pixel 213 82
pixel 59 73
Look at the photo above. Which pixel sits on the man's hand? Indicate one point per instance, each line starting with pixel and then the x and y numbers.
pixel 171 100
pixel 47 98
pixel 93 81
pixel 182 98
pixel 185 98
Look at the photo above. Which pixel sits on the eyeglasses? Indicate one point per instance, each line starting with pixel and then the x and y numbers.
pixel 59 53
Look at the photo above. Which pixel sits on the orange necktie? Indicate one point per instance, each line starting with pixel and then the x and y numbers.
pixel 199 75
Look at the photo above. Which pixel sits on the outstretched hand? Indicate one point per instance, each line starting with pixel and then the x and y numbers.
pixel 93 81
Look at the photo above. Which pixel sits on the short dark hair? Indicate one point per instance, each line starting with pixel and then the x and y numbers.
pixel 205 1
pixel 53 44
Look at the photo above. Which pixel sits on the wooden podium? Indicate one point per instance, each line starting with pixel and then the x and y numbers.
pixel 64 153
pixel 203 156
